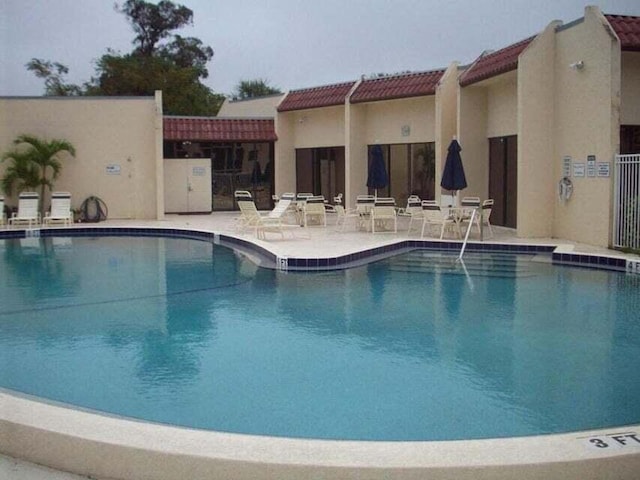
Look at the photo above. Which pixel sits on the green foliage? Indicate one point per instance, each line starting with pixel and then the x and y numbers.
pixel 153 23
pixel 175 66
pixel 34 163
pixel 53 74
pixel 254 88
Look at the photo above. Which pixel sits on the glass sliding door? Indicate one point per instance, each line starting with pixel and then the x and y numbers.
pixel 320 171
pixel 411 170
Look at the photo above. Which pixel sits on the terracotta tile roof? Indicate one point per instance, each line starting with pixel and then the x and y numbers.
pixel 219 129
pixel 326 96
pixel 398 86
pixel 628 30
pixel 495 63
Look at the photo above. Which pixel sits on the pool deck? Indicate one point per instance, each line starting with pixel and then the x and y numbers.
pixel 566 456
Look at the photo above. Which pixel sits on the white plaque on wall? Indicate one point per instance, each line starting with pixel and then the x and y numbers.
pixel 578 169
pixel 112 169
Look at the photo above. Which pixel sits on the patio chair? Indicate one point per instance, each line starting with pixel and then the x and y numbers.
pixel 467 205
pixel 314 211
pixel 60 210
pixel 251 218
pixel 487 205
pixel 383 215
pixel 28 213
pixel 285 206
pixel 433 215
pixel 413 210
pixel 2 211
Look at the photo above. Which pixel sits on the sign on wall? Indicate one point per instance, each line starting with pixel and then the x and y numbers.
pixel 566 166
pixel 604 169
pixel 112 169
pixel 591 165
pixel 578 169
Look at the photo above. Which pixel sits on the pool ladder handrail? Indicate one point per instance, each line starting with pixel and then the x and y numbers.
pixel 466 237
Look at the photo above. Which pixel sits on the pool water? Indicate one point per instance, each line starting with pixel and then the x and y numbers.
pixel 414 347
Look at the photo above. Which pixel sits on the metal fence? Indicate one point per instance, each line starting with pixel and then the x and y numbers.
pixel 626 233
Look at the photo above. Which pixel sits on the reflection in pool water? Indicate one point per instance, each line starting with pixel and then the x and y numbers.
pixel 189 333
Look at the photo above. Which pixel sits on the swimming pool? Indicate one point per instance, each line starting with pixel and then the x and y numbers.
pixel 189 333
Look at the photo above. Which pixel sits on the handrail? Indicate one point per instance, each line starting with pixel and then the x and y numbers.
pixel 466 237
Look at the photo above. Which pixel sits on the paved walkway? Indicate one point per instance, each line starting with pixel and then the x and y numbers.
pixel 312 242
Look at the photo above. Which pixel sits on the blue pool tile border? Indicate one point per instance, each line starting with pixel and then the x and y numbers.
pixel 270 260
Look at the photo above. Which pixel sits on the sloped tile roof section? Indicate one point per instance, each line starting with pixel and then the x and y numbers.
pixel 326 96
pixel 628 30
pixel 219 129
pixel 398 86
pixel 495 63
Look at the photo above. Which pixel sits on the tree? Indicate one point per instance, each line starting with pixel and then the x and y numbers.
pixel 53 74
pixel 253 88
pixel 153 23
pixel 32 159
pixel 160 60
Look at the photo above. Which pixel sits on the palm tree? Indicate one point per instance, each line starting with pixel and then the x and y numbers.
pixel 32 159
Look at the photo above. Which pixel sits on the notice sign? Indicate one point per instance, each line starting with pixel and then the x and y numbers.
pixel 591 165
pixel 113 169
pixel 609 441
pixel 578 169
pixel 198 171
pixel 603 169
pixel 566 166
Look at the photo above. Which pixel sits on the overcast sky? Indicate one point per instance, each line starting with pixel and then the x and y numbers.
pixel 290 43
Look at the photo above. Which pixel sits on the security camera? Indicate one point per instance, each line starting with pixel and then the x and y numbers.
pixel 577 65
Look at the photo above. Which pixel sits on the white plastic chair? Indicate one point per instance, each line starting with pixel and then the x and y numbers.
pixel 313 210
pixel 433 215
pixel 28 213
pixel 60 210
pixel 383 214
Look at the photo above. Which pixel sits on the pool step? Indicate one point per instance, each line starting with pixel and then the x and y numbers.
pixel 481 264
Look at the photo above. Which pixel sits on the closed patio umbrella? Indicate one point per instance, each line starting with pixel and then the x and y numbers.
pixel 377 176
pixel 453 177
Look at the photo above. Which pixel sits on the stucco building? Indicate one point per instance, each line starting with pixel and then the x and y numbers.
pixel 559 104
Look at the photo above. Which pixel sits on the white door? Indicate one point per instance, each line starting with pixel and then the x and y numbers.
pixel 199 185
pixel 187 185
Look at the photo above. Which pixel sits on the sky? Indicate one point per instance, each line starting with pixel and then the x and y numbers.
pixel 289 43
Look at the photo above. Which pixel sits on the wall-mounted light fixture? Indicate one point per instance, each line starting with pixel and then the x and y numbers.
pixel 579 65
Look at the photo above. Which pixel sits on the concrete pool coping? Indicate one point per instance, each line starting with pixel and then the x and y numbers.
pixel 102 446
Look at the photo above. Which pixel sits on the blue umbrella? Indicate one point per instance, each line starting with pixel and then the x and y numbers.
pixel 453 174
pixel 377 177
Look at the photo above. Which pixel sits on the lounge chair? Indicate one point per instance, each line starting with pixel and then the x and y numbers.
pixel 383 215
pixel 60 211
pixel 251 218
pixel 313 210
pixel 285 206
pixel 28 213
pixel 413 210
pixel 2 211
pixel 433 215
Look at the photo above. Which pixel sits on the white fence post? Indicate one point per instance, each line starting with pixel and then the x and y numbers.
pixel 626 233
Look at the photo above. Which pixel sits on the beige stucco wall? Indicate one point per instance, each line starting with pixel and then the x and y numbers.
pixel 356 159
pixel 254 107
pixel 318 127
pixel 502 105
pixel 385 120
pixel 446 108
pixel 105 131
pixel 536 126
pixel 587 123
pixel 630 102
pixel 285 154
pixel 472 135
